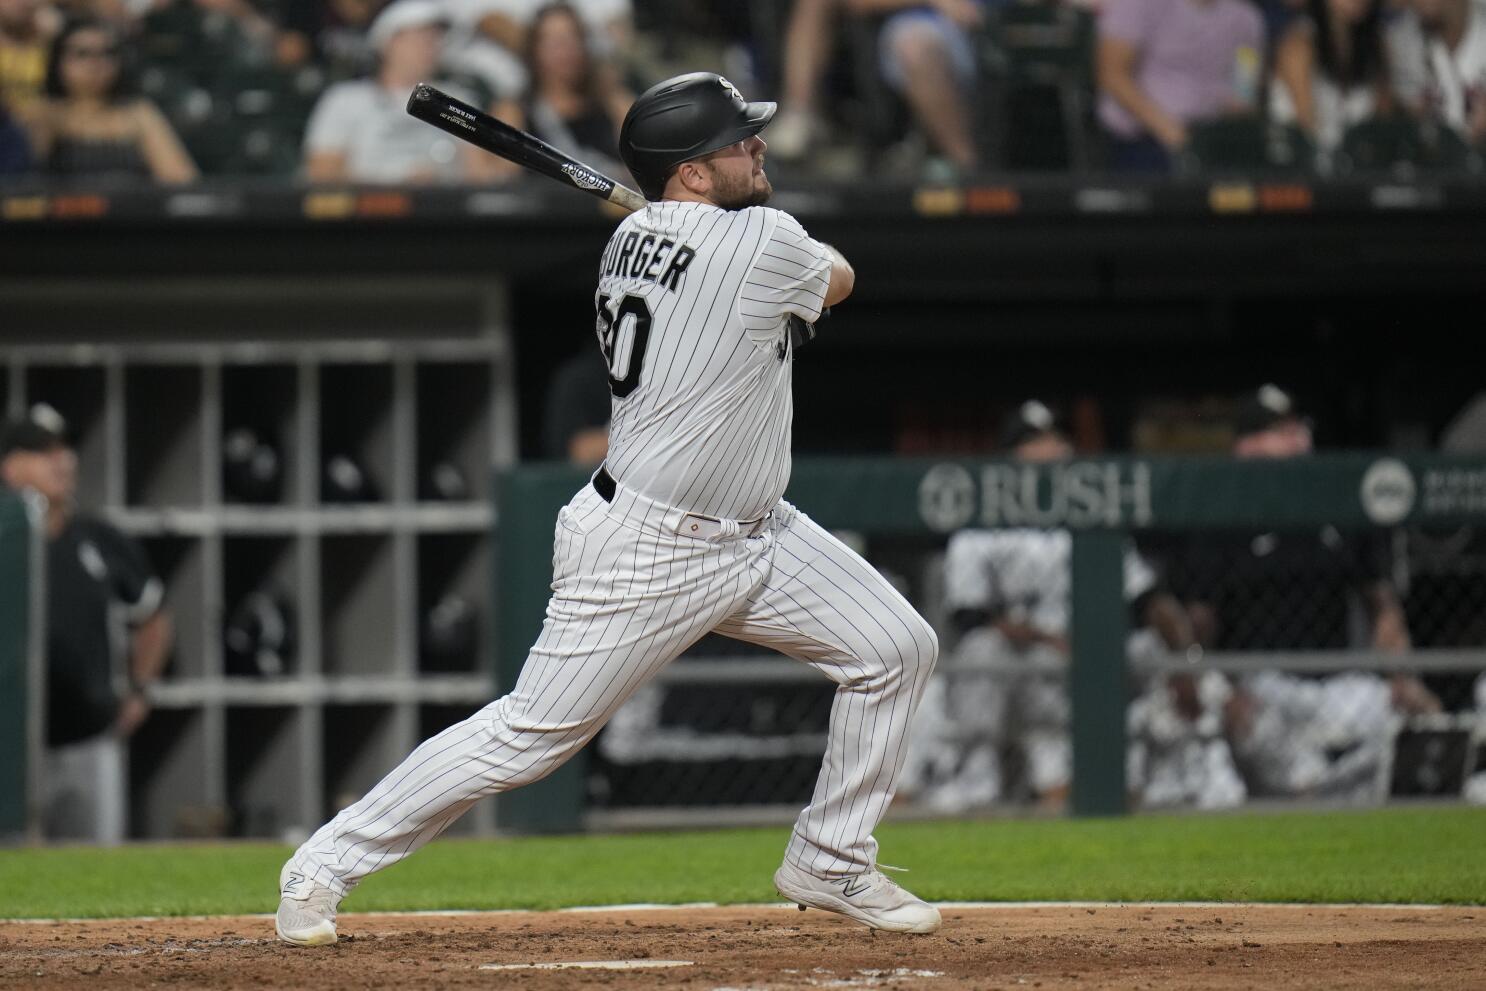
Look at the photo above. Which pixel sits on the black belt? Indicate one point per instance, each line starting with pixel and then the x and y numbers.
pixel 603 484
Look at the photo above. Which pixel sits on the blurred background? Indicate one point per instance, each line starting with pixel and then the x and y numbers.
pixel 292 381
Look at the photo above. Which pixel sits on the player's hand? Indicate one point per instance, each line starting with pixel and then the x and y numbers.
pixel 1184 696
pixel 1239 713
pixel 133 711
pixel 1475 122
pixel 1172 135
pixel 1410 695
pixel 800 332
pixel 1390 632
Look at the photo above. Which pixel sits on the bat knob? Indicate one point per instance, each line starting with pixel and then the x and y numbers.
pixel 422 93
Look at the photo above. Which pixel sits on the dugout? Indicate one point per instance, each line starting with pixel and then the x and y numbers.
pixel 971 298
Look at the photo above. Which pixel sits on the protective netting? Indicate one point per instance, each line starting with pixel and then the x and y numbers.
pixel 1307 665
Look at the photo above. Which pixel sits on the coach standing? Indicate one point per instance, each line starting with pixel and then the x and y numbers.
pixel 1289 592
pixel 107 637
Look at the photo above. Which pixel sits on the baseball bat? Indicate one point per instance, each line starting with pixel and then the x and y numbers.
pixel 480 129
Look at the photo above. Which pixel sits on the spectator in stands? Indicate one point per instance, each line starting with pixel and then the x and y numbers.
pixel 1330 72
pixel 26 31
pixel 611 27
pixel 360 130
pixel 1299 591
pixel 1004 685
pixel 1278 14
pixel 333 32
pixel 1164 65
pixel 100 593
pixel 927 54
pixel 569 104
pixel 15 150
pixel 808 43
pixel 251 22
pixel 576 426
pixel 93 124
pixel 1437 49
pixel 486 40
pixel 489 38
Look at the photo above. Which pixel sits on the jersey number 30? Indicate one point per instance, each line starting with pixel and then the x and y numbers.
pixel 609 325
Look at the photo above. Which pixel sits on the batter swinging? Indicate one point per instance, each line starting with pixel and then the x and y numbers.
pixel 681 533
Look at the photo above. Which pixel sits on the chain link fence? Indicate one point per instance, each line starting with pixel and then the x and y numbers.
pixel 1307 664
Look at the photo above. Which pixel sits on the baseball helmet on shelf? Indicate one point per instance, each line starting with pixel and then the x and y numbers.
pixel 683 118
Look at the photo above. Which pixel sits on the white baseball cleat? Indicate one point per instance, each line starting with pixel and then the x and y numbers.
pixel 306 914
pixel 870 898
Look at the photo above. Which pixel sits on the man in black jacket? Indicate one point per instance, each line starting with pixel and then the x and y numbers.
pixel 107 636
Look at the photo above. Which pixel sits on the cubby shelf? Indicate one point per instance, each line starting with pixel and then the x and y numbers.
pixel 213 457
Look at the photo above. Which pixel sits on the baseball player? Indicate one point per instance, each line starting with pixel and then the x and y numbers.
pixel 1008 589
pixel 682 532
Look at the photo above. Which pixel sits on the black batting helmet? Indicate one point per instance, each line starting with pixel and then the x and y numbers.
pixel 682 118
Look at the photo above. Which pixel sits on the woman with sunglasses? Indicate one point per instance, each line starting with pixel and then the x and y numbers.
pixel 94 124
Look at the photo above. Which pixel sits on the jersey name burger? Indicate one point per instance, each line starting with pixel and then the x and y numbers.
pixel 647 258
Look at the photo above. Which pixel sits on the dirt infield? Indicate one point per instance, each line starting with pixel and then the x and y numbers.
pixel 1267 947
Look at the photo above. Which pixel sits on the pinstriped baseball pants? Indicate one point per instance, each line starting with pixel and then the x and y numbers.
pixel 629 595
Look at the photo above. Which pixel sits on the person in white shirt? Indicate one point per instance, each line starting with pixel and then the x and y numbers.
pixel 360 130
pixel 1004 689
pixel 1438 53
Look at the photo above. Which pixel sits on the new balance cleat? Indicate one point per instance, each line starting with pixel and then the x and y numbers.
pixel 306 915
pixel 870 898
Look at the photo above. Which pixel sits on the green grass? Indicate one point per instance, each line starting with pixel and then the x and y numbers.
pixel 1394 855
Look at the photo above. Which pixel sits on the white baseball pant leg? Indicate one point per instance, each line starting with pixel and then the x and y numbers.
pixel 629 595
pixel 820 602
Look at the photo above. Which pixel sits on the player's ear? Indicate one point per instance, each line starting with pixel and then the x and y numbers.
pixel 695 178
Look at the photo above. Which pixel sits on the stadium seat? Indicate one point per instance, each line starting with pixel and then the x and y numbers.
pixel 1037 63
pixel 1246 144
pixel 881 116
pixel 168 35
pixel 168 87
pixel 1403 146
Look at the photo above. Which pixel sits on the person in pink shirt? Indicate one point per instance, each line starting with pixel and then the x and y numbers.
pixel 1164 64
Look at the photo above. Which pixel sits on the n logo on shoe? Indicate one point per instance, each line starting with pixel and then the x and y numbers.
pixel 294 880
pixel 852 886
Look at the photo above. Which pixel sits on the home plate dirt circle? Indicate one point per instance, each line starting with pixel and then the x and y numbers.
pixel 760 948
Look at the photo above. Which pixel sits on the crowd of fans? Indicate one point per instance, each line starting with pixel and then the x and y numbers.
pixel 167 90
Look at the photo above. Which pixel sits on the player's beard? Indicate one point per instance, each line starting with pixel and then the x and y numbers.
pixel 735 192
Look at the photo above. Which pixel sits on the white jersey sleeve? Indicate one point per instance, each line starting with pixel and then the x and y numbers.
pixel 790 275
pixel 1140 577
pixel 969 571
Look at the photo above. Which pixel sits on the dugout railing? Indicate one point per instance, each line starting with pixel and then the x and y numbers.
pixel 22 685
pixel 1104 503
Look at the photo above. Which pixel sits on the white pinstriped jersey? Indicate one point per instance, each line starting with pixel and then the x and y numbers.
pixel 694 304
pixel 1024 574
